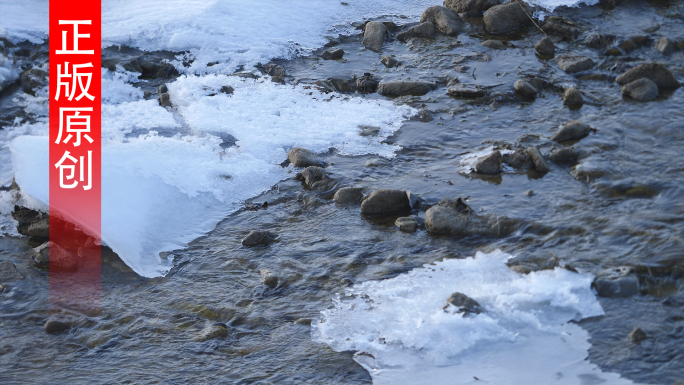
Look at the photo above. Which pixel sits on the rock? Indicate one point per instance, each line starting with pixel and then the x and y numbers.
pixel 55 326
pixel 163 89
pixel 471 7
pixel 25 217
pixel 655 72
pixel 404 87
pixel 545 47
pixel 374 35
pixel 424 115
pixel 464 304
pixel 227 90
pixel 443 18
pixel 457 218
pixel 275 70
pixel 260 237
pixel 369 130
pixel 560 27
pixel 165 100
pixel 333 54
pixel 300 157
pixel 425 30
pixel 623 287
pixel 635 43
pixel 521 269
pixel 313 174
pixel 538 160
pixel 642 90
pixel 348 195
pixel 527 88
pixel 571 131
pixel 637 335
pixel 466 91
pixel 385 201
pixel 572 63
pixel 564 155
pixel 595 40
pixel 389 61
pixel 217 330
pixel 407 224
pixel 529 193
pixel 519 159
pixel 506 18
pixel 490 164
pixel 573 97
pixel 33 79
pixel 56 257
pixel 9 272
pixel 665 46
pixel 268 278
pixel 40 229
pixel 366 83
pixel 493 44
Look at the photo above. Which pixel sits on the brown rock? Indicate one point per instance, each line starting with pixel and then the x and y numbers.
pixel 443 18
pixel 385 201
pixel 655 72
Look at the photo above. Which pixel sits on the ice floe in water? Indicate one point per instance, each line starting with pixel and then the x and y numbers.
pixel 403 335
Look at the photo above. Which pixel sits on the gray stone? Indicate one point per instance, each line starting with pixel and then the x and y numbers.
pixel 637 335
pixel 560 27
pixel 527 88
pixel 571 131
pixel 538 160
pixel 457 218
pixel 573 97
pixel 300 157
pixel 464 304
pixel 227 90
pixel 374 35
pixel 493 44
pixel 268 278
pixel 425 30
pixel 348 195
pixel 521 269
pixel 165 100
pixel 275 70
pixel 163 89
pixel 623 287
pixel 564 155
pixel 466 91
pixel 642 90
pixel 424 115
pixel 313 174
pixel 366 83
pixel 505 18
pixel 519 159
pixel 404 87
pixel 55 256
pixel 443 18
pixel 665 46
pixel 407 224
pixel 260 237
pixel 471 7
pixel 333 54
pixel 385 201
pixel 33 79
pixel 215 331
pixel 9 272
pixel 40 229
pixel 545 47
pixel 55 326
pixel 655 72
pixel 572 63
pixel 389 61
pixel 490 164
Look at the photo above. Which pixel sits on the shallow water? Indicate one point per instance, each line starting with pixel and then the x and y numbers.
pixel 582 213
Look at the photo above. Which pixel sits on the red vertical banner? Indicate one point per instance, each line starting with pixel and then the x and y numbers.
pixel 75 154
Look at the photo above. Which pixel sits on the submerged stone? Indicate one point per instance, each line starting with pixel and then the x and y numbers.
pixel 571 131
pixel 385 201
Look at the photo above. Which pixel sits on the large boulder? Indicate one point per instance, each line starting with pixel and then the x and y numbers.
pixel 374 35
pixel 471 7
pixel 507 18
pixel 642 90
pixel 426 29
pixel 300 157
pixel 457 218
pixel 404 87
pixel 443 18
pixel 571 131
pixel 573 63
pixel 386 201
pixel 655 72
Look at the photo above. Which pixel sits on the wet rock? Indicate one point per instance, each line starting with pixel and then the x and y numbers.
pixel 464 304
pixel 538 160
pixel 472 8
pixel 623 287
pixel 571 131
pixel 56 257
pixel 493 44
pixel 424 115
pixel 404 87
pixel 303 321
pixel 505 18
pixel 9 272
pixel 545 47
pixel 165 100
pixel 274 70
pixel 643 90
pixel 613 51
pixel 595 40
pixel 425 30
pixel 374 35
pixel 56 326
pixel 564 155
pixel 457 218
pixel 369 131
pixel 466 91
pixel 300 157
pixel 32 79
pixel 268 278
pixel 313 174
pixel 215 331
pixel 162 89
pixel 655 72
pixel 665 46
pixel 443 18
pixel 635 43
pixel 573 97
pixel 348 195
pixel 333 54
pixel 637 335
pixel 560 27
pixel 527 88
pixel 385 201
pixel 366 83
pixel 407 224
pixel 490 164
pixel 40 229
pixel 389 61
pixel 518 159
pixel 520 269
pixel 227 90
pixel 260 237
pixel 571 63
